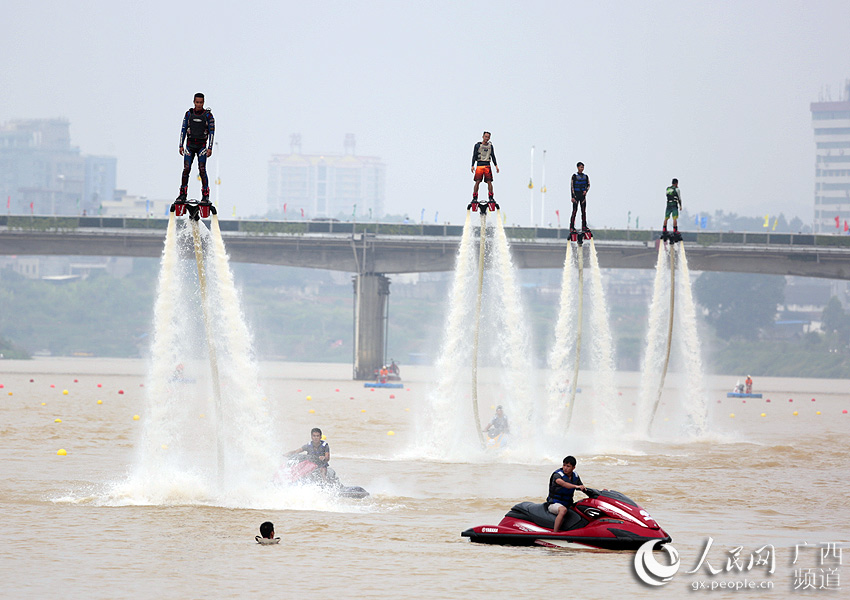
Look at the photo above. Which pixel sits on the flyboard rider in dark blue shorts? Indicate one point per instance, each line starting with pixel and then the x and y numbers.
pixel 197 134
pixel 482 155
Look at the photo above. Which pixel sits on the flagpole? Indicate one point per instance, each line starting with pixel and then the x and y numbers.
pixel 543 193
pixel 531 191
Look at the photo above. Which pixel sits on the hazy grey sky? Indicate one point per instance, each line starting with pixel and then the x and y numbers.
pixel 714 93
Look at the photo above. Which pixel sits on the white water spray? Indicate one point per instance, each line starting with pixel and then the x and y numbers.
pixel 185 454
pixel 561 356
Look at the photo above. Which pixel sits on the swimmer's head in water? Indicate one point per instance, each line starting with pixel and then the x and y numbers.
pixel 267 530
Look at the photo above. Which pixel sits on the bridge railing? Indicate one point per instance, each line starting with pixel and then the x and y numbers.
pixel 518 234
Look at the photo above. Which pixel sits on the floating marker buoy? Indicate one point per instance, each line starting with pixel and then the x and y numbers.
pixel 817 413
pixel 10 393
pixel 731 415
pixel 371 389
pixel 57 420
pixel 768 400
pixel 744 401
pixel 718 401
pixel 299 390
pixel 141 385
pixel 311 411
pixel 408 410
pixel 120 391
pixel 2 386
pixel 337 389
pixel 309 398
pixel 408 389
pixel 135 417
pixel 813 399
pixel 794 413
pixel 61 452
pixel 764 414
pixel 324 437
pixel 844 412
pixel 32 380
pixel 100 401
pixel 53 386
pixel 76 381
pixel 99 385
pixel 64 392
pixel 629 420
pixel 790 399
pixel 44 403
pixel 164 447
pixel 391 432
pixel 202 415
pixel 362 410
pixel 392 396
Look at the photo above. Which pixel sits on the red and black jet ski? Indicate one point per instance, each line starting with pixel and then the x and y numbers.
pixel 307 471
pixel 605 519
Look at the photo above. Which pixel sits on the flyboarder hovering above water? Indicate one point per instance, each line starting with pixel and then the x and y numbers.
pixel 197 133
pixel 579 186
pixel 482 155
pixel 674 205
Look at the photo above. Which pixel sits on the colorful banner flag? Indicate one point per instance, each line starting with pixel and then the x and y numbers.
pixel 845 225
pixel 302 213
pixel 31 208
pixel 558 214
pixel 422 216
pixel 703 222
pixel 766 221
pixel 530 184
pixel 436 214
pixel 284 208
pixel 837 222
pixel 775 223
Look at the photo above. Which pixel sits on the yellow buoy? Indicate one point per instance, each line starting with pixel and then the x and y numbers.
pixel 164 447
pixel 311 411
pixel 362 410
pixel 61 452
pixel 629 420
pixel 795 413
pixel 732 415
pixel 57 420
pixel 64 392
pixel 202 415
pixel 817 413
pixel 406 410
pixel 309 398
pixel 764 414
pixel 391 432
pixel 135 417
pixel 44 403
pixel 100 401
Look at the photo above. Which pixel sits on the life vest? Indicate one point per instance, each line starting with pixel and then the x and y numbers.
pixel 580 182
pixel 197 130
pixel 672 195
pixel 558 493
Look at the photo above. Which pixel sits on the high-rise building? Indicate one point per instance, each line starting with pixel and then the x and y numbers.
pixel 326 185
pixel 831 122
pixel 41 172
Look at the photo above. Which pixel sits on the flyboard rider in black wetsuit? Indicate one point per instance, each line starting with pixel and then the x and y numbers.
pixel 197 134
pixel 482 155
pixel 196 139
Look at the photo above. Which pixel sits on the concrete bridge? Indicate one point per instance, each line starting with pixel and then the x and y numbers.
pixel 374 250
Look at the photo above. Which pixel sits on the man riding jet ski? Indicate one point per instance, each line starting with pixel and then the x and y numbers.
pixel 605 519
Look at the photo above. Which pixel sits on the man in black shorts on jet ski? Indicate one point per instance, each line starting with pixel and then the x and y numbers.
pixel 562 485
pixel 318 451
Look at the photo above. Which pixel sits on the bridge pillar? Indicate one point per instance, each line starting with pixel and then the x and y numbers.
pixel 370 315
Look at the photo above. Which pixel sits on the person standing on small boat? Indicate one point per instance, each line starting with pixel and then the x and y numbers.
pixel 749 383
pixel 562 485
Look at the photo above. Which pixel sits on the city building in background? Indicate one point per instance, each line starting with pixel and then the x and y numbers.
pixel 42 173
pixel 326 185
pixel 831 122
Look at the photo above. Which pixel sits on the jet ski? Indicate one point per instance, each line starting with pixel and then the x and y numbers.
pixel 196 210
pixel 605 519
pixel 305 471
